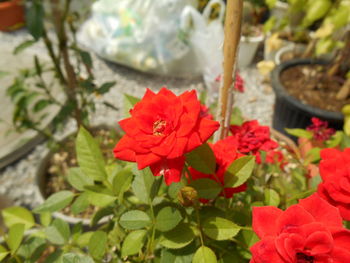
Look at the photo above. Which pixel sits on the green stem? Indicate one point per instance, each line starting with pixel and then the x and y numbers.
pixel 151 243
pixel 196 208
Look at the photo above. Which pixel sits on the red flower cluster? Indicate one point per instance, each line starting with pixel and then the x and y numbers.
pixel 161 129
pixel 320 129
pixel 253 138
pixel 311 231
pixel 225 153
pixel 335 173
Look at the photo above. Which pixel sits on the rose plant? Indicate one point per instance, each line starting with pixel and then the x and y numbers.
pixel 177 196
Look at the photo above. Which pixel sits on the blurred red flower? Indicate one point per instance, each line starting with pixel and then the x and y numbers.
pixel 253 138
pixel 311 231
pixel 320 129
pixel 335 173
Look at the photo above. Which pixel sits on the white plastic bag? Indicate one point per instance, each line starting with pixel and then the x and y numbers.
pixel 142 34
pixel 206 38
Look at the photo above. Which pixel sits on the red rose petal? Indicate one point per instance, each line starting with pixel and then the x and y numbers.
pixel 144 160
pixel 294 216
pixel 207 128
pixel 264 219
pixel 320 242
pixel 341 238
pixel 322 211
pixel 265 252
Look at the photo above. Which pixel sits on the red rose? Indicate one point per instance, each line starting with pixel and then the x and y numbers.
pixel 253 138
pixel 225 153
pixel 320 129
pixel 335 173
pixel 308 232
pixel 161 129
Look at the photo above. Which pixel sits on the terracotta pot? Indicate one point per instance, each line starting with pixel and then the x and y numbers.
pixel 11 15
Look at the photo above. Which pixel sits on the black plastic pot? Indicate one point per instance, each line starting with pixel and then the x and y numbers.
pixel 289 112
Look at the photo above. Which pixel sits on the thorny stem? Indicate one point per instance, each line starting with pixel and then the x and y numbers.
pixel 231 43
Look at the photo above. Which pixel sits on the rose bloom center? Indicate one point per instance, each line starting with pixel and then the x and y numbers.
pixel 159 127
pixel 302 258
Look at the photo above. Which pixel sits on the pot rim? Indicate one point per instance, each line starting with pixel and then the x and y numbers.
pixel 281 92
pixel 256 39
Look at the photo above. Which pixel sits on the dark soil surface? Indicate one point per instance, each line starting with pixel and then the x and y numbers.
pixel 311 85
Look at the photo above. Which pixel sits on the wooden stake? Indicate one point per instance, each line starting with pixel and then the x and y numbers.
pixel 233 21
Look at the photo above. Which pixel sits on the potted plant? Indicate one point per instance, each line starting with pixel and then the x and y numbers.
pixel 11 15
pixel 32 92
pixel 254 12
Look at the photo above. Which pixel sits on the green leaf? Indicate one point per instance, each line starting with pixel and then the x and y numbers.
pixel 84 239
pixel 183 255
pixel 18 215
pixel 55 202
pixel 76 258
pixel 35 19
pixel 101 213
pixel 272 197
pixel 3 253
pixel 40 105
pixel 89 156
pixel 100 199
pixel 300 133
pixel 78 179
pixel 219 228
pixel 133 242
pixel 86 58
pixel 336 139
pixel 58 233
pixel 316 10
pixel 202 159
pixel 98 244
pixel 204 255
pixel 15 237
pixel 45 218
pixel 239 171
pixel 168 218
pixel 206 188
pixel 32 249
pixel 177 238
pixel 314 155
pixel 145 185
pixel 129 103
pixel 18 49
pixel 134 219
pixel 80 204
pixel 121 183
pixel 106 87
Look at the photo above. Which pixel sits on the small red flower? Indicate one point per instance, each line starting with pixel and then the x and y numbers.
pixel 161 129
pixel 239 83
pixel 225 153
pixel 335 173
pixel 309 232
pixel 320 129
pixel 205 113
pixel 253 138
